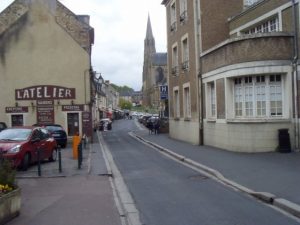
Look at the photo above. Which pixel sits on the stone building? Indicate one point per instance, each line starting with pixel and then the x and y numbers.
pixel 246 75
pixel 154 71
pixel 192 27
pixel 45 66
pixel 251 77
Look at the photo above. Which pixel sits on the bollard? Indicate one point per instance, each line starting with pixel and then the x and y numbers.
pixel 76 141
pixel 59 159
pixel 79 154
pixel 39 162
pixel 84 139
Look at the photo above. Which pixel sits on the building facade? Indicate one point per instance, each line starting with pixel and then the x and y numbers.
pixel 192 27
pixel 249 80
pixel 45 66
pixel 247 73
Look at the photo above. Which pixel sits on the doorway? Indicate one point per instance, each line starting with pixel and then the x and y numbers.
pixel 73 124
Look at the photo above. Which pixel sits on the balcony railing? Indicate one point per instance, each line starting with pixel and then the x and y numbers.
pixel 174 70
pixel 183 16
pixel 185 65
pixel 173 26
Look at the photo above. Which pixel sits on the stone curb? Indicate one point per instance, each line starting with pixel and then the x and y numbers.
pixel 269 198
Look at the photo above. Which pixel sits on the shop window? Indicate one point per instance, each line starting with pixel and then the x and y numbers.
pixel 17 120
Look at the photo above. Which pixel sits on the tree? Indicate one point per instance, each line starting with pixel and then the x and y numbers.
pixel 122 89
pixel 123 104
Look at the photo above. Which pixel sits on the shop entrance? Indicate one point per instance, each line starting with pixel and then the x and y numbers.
pixel 73 124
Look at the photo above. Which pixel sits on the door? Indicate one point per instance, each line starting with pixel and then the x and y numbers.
pixel 73 124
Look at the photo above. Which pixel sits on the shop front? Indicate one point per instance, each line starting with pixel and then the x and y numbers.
pixel 49 104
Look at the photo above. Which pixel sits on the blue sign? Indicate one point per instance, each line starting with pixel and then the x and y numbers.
pixel 163 89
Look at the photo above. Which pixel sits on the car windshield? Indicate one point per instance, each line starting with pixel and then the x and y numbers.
pixel 15 134
pixel 53 128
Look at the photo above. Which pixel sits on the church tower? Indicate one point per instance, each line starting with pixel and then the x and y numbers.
pixel 149 50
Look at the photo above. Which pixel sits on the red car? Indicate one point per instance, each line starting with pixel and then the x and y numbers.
pixel 21 145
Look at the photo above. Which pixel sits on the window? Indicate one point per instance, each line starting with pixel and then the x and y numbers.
pixel 275 95
pixel 173 17
pixel 212 99
pixel 187 102
pixel 174 60
pixel 271 25
pixel 17 120
pixel 176 104
pixel 238 97
pixel 185 54
pixel 183 10
pixel 248 3
pixel 258 96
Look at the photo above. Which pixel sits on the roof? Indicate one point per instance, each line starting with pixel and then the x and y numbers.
pixel 64 17
pixel 159 59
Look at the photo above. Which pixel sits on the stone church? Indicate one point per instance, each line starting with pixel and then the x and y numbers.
pixel 154 72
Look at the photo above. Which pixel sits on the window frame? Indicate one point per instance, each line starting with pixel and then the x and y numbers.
pixel 185 51
pixel 211 100
pixel 187 112
pixel 174 69
pixel 173 15
pixel 260 93
pixel 176 100
pixel 183 16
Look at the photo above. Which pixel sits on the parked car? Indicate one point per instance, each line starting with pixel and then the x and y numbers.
pixel 105 123
pixel 2 126
pixel 59 134
pixel 20 145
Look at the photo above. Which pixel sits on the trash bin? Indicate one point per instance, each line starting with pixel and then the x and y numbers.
pixel 284 141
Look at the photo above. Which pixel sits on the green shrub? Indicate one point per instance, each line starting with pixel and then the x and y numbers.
pixel 7 173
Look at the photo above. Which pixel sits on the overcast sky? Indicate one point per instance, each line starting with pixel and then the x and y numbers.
pixel 120 29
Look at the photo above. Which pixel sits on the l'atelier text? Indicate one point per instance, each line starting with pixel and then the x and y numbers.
pixel 44 92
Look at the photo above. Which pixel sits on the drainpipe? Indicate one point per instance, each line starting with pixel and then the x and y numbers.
pixel 199 75
pixel 295 73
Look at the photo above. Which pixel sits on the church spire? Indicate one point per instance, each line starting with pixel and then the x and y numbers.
pixel 149 47
pixel 149 34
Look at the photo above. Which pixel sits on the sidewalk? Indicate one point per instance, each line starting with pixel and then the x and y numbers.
pixel 274 173
pixel 75 196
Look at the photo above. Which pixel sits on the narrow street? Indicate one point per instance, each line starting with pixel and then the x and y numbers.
pixel 169 193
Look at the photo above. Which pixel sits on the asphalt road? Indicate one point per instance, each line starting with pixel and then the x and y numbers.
pixel 168 193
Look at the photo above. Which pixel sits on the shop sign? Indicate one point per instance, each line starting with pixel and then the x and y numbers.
pixel 21 109
pixel 44 92
pixel 68 108
pixel 45 111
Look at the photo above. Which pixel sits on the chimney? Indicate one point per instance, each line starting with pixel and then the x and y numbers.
pixel 84 18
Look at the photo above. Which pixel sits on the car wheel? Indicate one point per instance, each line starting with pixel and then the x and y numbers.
pixel 53 156
pixel 26 162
